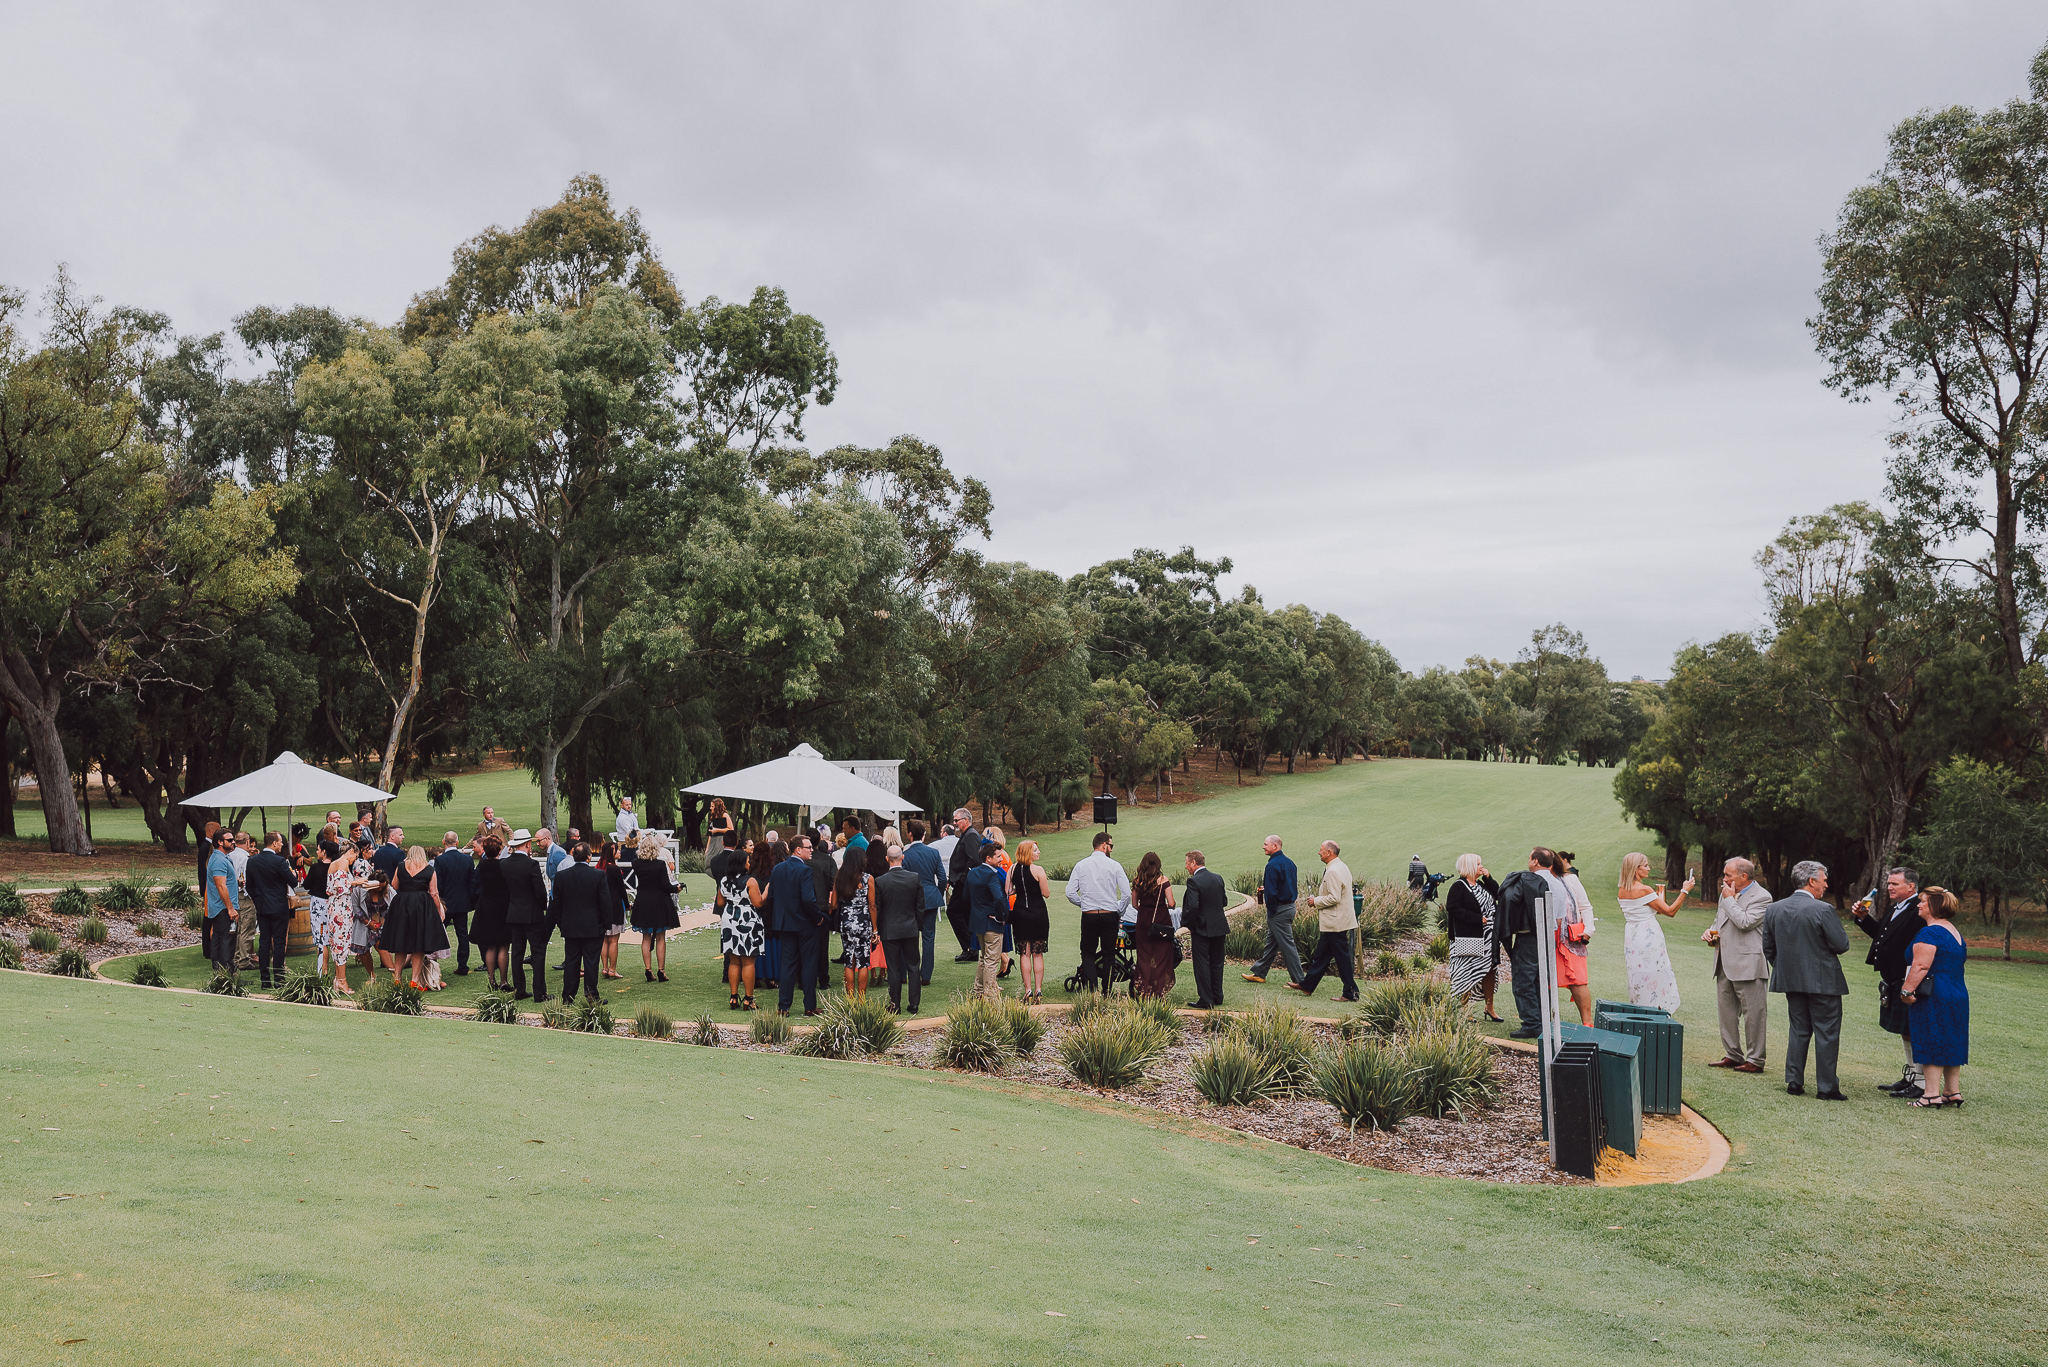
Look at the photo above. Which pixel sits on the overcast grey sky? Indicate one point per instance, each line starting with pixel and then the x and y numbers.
pixel 1455 320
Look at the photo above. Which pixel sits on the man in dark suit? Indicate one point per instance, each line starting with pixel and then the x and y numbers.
pixel 1514 928
pixel 271 880
pixel 1804 941
pixel 796 919
pixel 526 916
pixel 1202 908
pixel 582 908
pixel 967 853
pixel 1891 950
pixel 923 861
pixel 455 878
pixel 824 869
pixel 899 913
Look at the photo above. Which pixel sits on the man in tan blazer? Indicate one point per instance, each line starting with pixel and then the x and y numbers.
pixel 1742 976
pixel 1336 919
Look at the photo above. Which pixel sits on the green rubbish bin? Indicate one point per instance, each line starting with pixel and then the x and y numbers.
pixel 1357 902
pixel 1621 1083
pixel 1630 1008
pixel 1660 1058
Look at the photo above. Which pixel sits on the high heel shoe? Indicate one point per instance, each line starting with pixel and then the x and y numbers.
pixel 649 972
pixel 1951 1098
pixel 734 1003
pixel 1495 1019
pixel 661 977
pixel 747 1003
pixel 1927 1102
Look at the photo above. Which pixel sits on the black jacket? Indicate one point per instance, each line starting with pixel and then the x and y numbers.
pixel 582 905
pixel 1891 942
pixel 824 871
pixel 455 879
pixel 899 904
pixel 966 854
pixel 526 890
pixel 270 881
pixel 1203 904
pixel 1515 908
pixel 1462 911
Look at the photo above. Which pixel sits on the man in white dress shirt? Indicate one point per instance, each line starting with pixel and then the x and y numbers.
pixel 627 826
pixel 1101 889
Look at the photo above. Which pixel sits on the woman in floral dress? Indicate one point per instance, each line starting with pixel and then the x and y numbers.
pixel 1650 979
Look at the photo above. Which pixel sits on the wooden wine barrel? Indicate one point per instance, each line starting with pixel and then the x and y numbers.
pixel 300 939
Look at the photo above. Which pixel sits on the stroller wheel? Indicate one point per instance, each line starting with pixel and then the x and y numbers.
pixel 1074 983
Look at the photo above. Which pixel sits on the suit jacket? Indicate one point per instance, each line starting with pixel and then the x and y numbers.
pixel 924 862
pixel 582 904
pixel 526 890
pixel 966 854
pixel 1203 903
pixel 270 882
pixel 1515 913
pixel 1740 955
pixel 793 904
pixel 824 872
pixel 1891 942
pixel 987 904
pixel 899 903
pixel 1333 899
pixel 455 878
pixel 1805 942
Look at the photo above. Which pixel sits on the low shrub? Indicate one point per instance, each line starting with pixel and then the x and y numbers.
pixel 1026 1029
pixel 1439 947
pixel 10 953
pixel 1364 1081
pixel 877 1026
pixel 1308 928
pixel 1231 1073
pixel 833 1034
pixel 1448 1070
pixel 1283 1045
pixel 976 1038
pixel 1160 1010
pixel 194 918
pixel 150 930
pixel 651 1022
pixel 92 930
pixel 1248 881
pixel 176 896
pixel 495 1008
pixel 13 906
pixel 124 896
pixel 689 861
pixel 147 974
pixel 1381 1006
pixel 71 901
pixel 769 1027
pixel 1218 1023
pixel 593 1017
pixel 558 1015
pixel 1245 942
pixel 1421 963
pixel 1059 873
pixel 393 998
pixel 1087 1005
pixel 1113 1050
pixel 227 984
pixel 705 1031
pixel 306 987
pixel 44 940
pixel 1388 964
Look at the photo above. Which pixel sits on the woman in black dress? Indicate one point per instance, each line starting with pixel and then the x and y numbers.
pixel 718 831
pixel 654 905
pixel 488 927
pixel 1033 922
pixel 412 922
pixel 616 864
pixel 1152 896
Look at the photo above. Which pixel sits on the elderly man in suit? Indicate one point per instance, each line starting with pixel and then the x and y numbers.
pixel 966 853
pixel 1741 974
pixel 581 907
pixel 455 877
pixel 1201 915
pixel 1336 918
pixel 796 918
pixel 899 918
pixel 1805 941
pixel 1891 950
pixel 526 916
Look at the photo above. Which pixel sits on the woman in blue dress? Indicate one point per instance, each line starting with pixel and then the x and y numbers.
pixel 1938 1001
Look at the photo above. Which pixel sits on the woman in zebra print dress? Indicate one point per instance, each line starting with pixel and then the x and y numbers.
pixel 1469 906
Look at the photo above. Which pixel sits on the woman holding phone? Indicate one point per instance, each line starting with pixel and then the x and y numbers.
pixel 1650 979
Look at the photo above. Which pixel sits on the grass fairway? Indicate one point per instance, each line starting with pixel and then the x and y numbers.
pixel 251 1182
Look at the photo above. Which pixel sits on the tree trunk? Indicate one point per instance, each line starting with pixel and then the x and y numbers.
pixel 53 781
pixel 1712 857
pixel 550 761
pixel 1674 863
pixel 7 775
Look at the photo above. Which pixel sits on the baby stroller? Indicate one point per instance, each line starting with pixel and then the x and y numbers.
pixel 1121 964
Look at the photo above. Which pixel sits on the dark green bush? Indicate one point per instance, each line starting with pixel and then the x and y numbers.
pixel 10 953
pixel 226 985
pixel 1382 1005
pixel 308 988
pixel 13 906
pixel 1231 1073
pixel 44 940
pixel 176 897
pixel 1440 947
pixel 877 1026
pixel 1058 873
pixel 769 1027
pixel 73 900
pixel 92 930
pixel 1113 1049
pixel 393 998
pixel 1026 1029
pixel 1447 1070
pixel 1283 1045
pixel 1364 1082
pixel 124 896
pixel 147 974
pixel 1388 964
pixel 495 1008
pixel 976 1038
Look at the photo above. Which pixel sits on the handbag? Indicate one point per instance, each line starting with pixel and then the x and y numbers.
pixel 1471 947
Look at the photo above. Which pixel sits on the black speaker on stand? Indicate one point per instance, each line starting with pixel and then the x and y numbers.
pixel 1105 811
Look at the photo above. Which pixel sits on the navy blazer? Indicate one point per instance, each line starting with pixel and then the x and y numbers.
pixel 793 898
pixel 922 860
pixel 455 879
pixel 988 905
pixel 270 881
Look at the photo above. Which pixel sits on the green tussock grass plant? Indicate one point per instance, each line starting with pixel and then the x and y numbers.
pixel 13 906
pixel 977 1037
pixel 1388 964
pixel 194 918
pixel 92 930
pixel 1059 873
pixel 306 988
pixel 124 896
pixel 227 984
pixel 72 900
pixel 495 1008
pixel 1160 1011
pixel 769 1027
pixel 1365 1081
pixel 1114 1050
pixel 1231 1073
pixel 147 974
pixel 1248 881
pixel 1447 1070
pixel 833 1033
pixel 1218 1023
pixel 1091 1003
pixel 877 1026
pixel 176 897
pixel 1440 947
pixel 592 1018
pixel 1382 1005
pixel 1026 1029
pixel 651 1022
pixel 44 940
pixel 705 1031
pixel 392 998
pixel 1283 1045
pixel 150 930
pixel 10 953
pixel 1422 962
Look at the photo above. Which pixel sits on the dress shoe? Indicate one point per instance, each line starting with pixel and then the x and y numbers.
pixel 1794 1089
pixel 538 999
pixel 1896 1086
pixel 520 996
pixel 1835 1095
pixel 1252 978
pixel 966 958
pixel 812 1011
pixel 1726 1063
pixel 1523 1034
pixel 1748 1068
pixel 462 973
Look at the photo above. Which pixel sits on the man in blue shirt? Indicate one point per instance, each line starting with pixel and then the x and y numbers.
pixel 797 921
pixel 223 899
pixel 1279 895
pixel 988 908
pixel 930 867
pixel 854 839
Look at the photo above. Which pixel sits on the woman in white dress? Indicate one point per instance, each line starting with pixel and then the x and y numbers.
pixel 1650 979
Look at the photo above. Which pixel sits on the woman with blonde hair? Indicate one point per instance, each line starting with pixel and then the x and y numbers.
pixel 1470 907
pixel 1938 1001
pixel 412 921
pixel 1650 979
pixel 654 904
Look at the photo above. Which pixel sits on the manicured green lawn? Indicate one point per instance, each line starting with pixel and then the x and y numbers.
pixel 222 1181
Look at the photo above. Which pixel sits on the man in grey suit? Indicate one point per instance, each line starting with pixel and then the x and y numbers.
pixel 1741 975
pixel 1804 941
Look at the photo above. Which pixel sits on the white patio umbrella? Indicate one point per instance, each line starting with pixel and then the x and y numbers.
pixel 287 782
pixel 803 778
